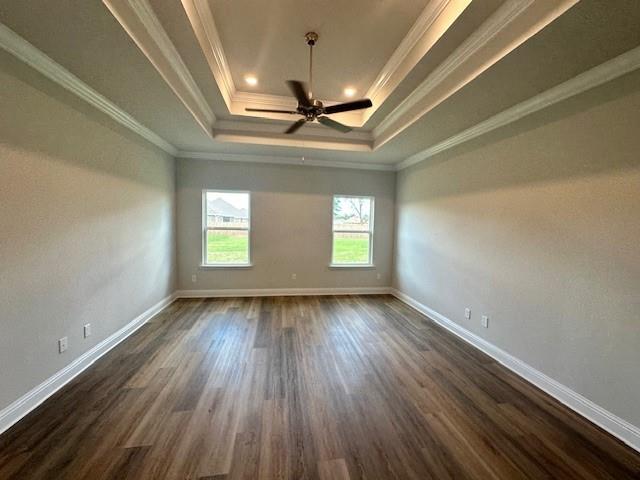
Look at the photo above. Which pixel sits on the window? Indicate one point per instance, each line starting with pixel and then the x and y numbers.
pixel 352 230
pixel 226 223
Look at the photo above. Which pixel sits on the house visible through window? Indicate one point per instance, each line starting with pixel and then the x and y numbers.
pixel 352 230
pixel 226 226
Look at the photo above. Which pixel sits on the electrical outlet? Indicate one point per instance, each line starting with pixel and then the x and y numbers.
pixel 194 278
pixel 379 276
pixel 467 313
pixel 293 276
pixel 63 343
pixel 87 330
pixel 485 321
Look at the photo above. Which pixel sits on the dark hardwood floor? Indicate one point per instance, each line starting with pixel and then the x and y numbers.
pixel 304 387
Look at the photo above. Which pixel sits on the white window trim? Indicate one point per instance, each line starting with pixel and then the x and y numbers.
pixel 203 261
pixel 370 263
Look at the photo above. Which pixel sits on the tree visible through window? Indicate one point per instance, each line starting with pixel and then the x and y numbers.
pixel 352 230
pixel 226 228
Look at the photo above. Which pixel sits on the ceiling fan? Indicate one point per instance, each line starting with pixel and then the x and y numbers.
pixel 310 108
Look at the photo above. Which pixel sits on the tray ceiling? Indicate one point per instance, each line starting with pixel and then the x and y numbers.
pixel 176 68
pixel 512 23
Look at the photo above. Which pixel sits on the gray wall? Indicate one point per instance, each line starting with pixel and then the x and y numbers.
pixel 291 224
pixel 87 231
pixel 538 226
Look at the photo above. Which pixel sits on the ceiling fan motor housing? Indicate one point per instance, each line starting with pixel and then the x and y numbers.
pixel 311 38
pixel 313 111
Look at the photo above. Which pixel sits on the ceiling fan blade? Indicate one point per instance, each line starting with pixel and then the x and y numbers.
pixel 348 106
pixel 295 126
pixel 327 122
pixel 299 90
pixel 293 112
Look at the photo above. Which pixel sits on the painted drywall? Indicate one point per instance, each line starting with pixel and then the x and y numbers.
pixel 87 230
pixel 291 224
pixel 538 226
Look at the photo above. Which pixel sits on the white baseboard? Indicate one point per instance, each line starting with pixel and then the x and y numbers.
pixel 29 401
pixel 626 432
pixel 281 292
pixel 616 426
pixel 32 399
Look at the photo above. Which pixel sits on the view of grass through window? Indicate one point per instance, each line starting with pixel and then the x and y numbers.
pixel 352 230
pixel 224 247
pixel 350 248
pixel 227 228
pixel 227 224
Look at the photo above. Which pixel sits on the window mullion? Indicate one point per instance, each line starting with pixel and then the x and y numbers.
pixel 227 229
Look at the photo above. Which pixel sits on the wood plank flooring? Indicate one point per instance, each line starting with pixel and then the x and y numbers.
pixel 304 387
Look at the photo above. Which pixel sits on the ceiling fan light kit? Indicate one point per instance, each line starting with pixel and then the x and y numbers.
pixel 311 109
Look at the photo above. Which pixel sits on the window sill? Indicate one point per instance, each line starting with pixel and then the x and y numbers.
pixel 225 265
pixel 352 265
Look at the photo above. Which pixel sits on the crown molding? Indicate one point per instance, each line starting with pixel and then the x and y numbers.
pixel 312 136
pixel 300 161
pixel 200 16
pixel 436 18
pixel 605 72
pixel 314 130
pixel 513 23
pixel 293 142
pixel 27 53
pixel 283 140
pixel 144 28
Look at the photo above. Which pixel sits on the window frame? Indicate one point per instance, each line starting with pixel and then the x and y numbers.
pixel 205 229
pixel 370 232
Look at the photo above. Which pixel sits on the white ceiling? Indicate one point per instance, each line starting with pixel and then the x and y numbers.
pixel 94 46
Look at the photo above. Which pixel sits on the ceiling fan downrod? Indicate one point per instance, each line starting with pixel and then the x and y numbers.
pixel 311 38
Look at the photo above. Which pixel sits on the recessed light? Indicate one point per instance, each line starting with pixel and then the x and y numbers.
pixel 251 80
pixel 349 91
